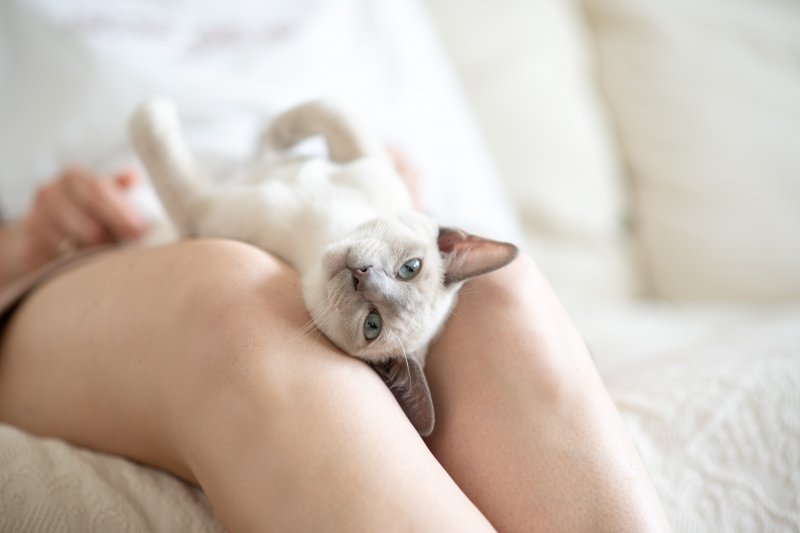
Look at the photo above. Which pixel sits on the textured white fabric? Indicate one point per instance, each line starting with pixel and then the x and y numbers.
pixel 713 404
pixel 528 71
pixel 47 486
pixel 707 101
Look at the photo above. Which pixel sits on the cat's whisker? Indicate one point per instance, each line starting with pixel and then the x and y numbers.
pixel 405 356
pixel 303 331
pixel 471 289
pixel 313 323
pixel 455 317
pixel 322 316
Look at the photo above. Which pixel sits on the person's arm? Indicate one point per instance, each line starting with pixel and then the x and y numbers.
pixel 10 256
pixel 75 210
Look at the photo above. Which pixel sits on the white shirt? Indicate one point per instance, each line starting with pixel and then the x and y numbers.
pixel 73 71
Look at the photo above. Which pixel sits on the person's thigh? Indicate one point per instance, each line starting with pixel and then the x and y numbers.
pixel 194 358
pixel 95 356
pixel 525 425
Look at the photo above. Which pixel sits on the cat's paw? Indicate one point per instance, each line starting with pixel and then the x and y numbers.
pixel 153 119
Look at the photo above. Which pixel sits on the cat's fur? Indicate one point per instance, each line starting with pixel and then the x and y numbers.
pixel 345 222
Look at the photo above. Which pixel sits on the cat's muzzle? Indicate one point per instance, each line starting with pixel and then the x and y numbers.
pixel 363 278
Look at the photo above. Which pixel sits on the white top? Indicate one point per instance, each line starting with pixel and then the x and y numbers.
pixel 73 72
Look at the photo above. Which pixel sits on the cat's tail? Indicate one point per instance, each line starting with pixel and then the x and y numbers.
pixel 156 136
pixel 346 137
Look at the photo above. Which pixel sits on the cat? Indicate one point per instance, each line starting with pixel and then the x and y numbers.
pixel 378 278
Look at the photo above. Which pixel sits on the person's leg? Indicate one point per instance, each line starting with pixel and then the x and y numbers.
pixel 189 358
pixel 525 425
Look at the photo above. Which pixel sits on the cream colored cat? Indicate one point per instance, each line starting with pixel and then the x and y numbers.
pixel 378 278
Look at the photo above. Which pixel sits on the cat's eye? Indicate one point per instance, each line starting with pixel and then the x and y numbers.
pixel 373 326
pixel 410 269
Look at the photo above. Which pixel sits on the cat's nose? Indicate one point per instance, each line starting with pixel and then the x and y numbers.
pixel 361 276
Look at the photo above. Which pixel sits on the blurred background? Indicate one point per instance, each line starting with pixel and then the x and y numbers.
pixel 652 148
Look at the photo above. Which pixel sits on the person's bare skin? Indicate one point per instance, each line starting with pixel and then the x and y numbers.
pixel 188 357
pixel 203 372
pixel 526 427
pixel 75 210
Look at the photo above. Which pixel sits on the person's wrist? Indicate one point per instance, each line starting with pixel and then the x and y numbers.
pixel 10 260
pixel 18 252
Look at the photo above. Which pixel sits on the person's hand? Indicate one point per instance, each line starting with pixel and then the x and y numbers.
pixel 75 210
pixel 407 173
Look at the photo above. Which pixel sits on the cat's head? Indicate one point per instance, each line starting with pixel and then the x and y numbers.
pixel 384 291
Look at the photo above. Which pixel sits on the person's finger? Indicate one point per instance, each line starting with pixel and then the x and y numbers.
pixel 125 179
pixel 43 237
pixel 107 206
pixel 56 219
pixel 408 173
pixel 75 225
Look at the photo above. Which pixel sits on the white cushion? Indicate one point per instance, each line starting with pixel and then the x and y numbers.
pixel 707 101
pixel 527 72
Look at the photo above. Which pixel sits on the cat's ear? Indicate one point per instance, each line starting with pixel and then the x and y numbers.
pixel 467 256
pixel 406 379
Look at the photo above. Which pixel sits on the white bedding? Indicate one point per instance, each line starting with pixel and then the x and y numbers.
pixel 49 486
pixel 712 398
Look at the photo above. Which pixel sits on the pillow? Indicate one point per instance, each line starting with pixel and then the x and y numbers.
pixel 706 96
pixel 528 73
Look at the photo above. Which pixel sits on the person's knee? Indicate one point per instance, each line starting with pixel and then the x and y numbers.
pixel 518 284
pixel 231 300
pixel 530 310
pixel 247 340
pixel 563 358
pixel 244 324
pixel 215 273
pixel 222 273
